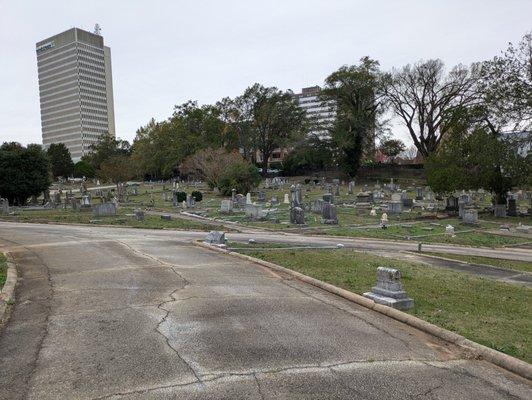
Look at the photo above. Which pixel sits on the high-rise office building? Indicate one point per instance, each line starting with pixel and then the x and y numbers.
pixel 321 114
pixel 76 90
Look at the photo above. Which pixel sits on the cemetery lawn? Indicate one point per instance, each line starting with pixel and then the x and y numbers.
pixel 121 219
pixel 492 313
pixel 3 270
pixel 496 262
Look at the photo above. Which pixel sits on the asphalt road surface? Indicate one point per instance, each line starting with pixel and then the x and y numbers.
pixel 134 314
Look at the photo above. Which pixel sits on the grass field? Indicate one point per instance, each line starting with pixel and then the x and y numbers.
pixel 491 313
pixel 3 270
pixel 496 262
pixel 122 219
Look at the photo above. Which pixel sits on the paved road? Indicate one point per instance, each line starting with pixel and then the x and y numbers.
pixel 134 314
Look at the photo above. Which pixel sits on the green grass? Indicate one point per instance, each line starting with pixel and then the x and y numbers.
pixel 496 262
pixel 3 270
pixel 68 216
pixel 492 313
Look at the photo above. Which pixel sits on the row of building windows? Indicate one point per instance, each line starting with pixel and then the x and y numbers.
pixel 89 73
pixel 58 66
pixel 58 52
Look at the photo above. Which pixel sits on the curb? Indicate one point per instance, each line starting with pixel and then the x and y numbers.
pixel 502 360
pixel 7 294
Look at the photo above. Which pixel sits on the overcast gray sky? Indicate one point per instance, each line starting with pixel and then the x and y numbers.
pixel 167 52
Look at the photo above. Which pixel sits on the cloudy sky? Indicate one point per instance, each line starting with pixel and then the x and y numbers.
pixel 167 52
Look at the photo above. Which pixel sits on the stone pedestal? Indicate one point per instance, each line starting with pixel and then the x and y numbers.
pixel 389 290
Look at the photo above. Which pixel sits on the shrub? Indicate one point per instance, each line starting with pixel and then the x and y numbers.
pixel 181 197
pixel 198 196
pixel 241 176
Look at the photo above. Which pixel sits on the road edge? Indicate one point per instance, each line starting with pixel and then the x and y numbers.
pixel 7 294
pixel 512 364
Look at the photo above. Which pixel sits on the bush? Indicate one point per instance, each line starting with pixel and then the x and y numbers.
pixel 198 196
pixel 241 176
pixel 181 197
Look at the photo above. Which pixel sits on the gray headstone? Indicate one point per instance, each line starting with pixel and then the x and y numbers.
pixel 104 210
pixel 297 216
pixel 499 210
pixel 329 215
pixel 215 237
pixel 226 206
pixel 389 290
pixel 470 216
pixel 395 207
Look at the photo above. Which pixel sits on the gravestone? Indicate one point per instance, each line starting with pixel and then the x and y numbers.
pixel 166 217
pixel 286 199
pixel 248 198
pixel 254 212
pixel 452 204
pixel 512 207
pixel 74 203
pixel 499 210
pixel 419 193
pixel 297 216
pixel 190 201
pixel 328 198
pixel 470 216
pixel 261 197
pixel 337 189
pixel 461 209
pixel 317 206
pixel 396 197
pixel 104 210
pixel 449 230
pixel 407 202
pixel 139 215
pixel 240 200
pixel 4 206
pixel 351 187
pixel 233 195
pixel 215 238
pixel 226 206
pixel 329 214
pixel 389 290
pixel 299 198
pixel 364 197
pixel 395 207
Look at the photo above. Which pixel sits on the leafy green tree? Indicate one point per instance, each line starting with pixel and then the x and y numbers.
pixel 505 88
pixel 25 172
pixel 84 169
pixel 392 147
pixel 117 169
pixel 277 121
pixel 355 91
pixel 60 160
pixel 311 155
pixel 107 147
pixel 473 157
pixel 242 176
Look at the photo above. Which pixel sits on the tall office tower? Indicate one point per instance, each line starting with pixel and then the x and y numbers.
pixel 76 90
pixel 321 114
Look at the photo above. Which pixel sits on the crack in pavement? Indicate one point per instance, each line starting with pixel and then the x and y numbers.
pixel 253 374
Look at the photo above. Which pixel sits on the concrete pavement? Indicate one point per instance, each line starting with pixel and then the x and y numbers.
pixel 134 314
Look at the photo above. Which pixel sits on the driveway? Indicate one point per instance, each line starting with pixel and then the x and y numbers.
pixel 134 314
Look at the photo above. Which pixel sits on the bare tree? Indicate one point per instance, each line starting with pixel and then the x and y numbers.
pixel 423 97
pixel 209 164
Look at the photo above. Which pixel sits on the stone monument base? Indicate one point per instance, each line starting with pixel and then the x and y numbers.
pixel 399 304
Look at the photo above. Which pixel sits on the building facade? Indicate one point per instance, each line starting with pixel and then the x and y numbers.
pixel 76 90
pixel 321 114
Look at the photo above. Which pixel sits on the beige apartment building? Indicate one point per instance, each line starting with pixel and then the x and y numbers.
pixel 76 90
